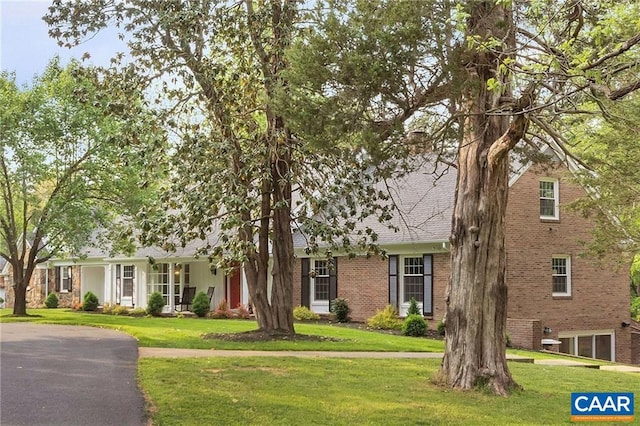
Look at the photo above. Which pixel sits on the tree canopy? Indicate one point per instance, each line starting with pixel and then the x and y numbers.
pixel 68 167
pixel 272 97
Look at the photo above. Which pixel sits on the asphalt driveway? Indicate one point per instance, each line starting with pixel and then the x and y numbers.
pixel 68 375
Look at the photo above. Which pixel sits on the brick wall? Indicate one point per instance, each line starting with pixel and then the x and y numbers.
pixel 525 333
pixel 600 291
pixel 365 284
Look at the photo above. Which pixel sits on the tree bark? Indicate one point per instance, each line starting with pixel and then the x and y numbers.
pixel 20 294
pixel 476 314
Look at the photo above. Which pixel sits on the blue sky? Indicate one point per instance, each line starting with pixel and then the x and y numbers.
pixel 25 46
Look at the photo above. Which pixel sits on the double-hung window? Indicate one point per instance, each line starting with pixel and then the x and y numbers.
pixel 413 279
pixel 549 196
pixel 561 275
pixel 65 278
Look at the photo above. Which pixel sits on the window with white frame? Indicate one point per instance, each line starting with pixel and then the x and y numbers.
pixel 321 281
pixel 65 278
pixel 549 199
pixel 598 344
pixel 159 281
pixel 413 279
pixel 561 275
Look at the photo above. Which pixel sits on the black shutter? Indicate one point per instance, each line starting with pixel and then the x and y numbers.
pixel 333 281
pixel 57 280
pixel 427 268
pixel 393 281
pixel 306 284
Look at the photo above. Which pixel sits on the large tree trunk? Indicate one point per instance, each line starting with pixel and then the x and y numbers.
pixel 20 294
pixel 476 315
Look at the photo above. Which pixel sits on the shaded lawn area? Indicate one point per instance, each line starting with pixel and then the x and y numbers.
pixel 188 332
pixel 320 391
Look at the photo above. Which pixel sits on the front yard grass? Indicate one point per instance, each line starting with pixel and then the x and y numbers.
pixel 320 391
pixel 188 332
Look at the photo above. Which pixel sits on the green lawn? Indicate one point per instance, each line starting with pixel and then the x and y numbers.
pixel 188 332
pixel 319 391
pixel 290 391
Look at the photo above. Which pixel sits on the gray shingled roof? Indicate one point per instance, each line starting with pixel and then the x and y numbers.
pixel 424 200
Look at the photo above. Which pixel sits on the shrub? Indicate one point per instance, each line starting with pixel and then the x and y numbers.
pixel 441 328
pixel 138 312
pixel 51 301
pixel 120 310
pixel 385 319
pixel 1 300
pixel 508 341
pixel 302 313
pixel 155 304
pixel 414 309
pixel 222 310
pixel 340 308
pixel 107 308
pixel 90 302
pixel 200 305
pixel 242 312
pixel 414 325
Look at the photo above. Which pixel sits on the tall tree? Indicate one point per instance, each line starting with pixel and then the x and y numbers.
pixel 65 168
pixel 489 75
pixel 218 69
pixel 478 75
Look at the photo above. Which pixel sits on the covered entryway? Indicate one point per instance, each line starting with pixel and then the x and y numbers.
pixel 92 279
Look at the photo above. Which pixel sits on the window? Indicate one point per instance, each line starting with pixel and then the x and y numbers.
pixel 159 281
pixel 413 279
pixel 549 199
pixel 594 344
pixel 65 278
pixel 178 272
pixel 128 272
pixel 321 281
pixel 561 275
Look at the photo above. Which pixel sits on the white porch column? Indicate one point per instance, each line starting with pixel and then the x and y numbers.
pixel 108 284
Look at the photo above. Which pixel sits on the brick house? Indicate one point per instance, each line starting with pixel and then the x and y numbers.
pixel 570 303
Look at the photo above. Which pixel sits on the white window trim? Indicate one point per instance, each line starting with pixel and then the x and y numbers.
pixel 404 306
pixel 317 306
pixel 68 270
pixel 568 260
pixel 573 335
pixel 556 198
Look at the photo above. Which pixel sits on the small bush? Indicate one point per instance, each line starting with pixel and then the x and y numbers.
pixel 120 310
pixel 155 304
pixel 200 305
pixel 340 308
pixel 414 325
pixel 90 302
pixel 508 341
pixel 243 312
pixel 138 312
pixel 441 328
pixel 51 301
pixel 1 300
pixel 414 309
pixel 302 313
pixel 222 310
pixel 107 308
pixel 385 319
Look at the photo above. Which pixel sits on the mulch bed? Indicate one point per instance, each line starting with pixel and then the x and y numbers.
pixel 263 336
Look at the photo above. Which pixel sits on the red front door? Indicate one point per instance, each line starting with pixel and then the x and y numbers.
pixel 233 292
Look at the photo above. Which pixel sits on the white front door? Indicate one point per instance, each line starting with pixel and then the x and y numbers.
pixel 126 285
